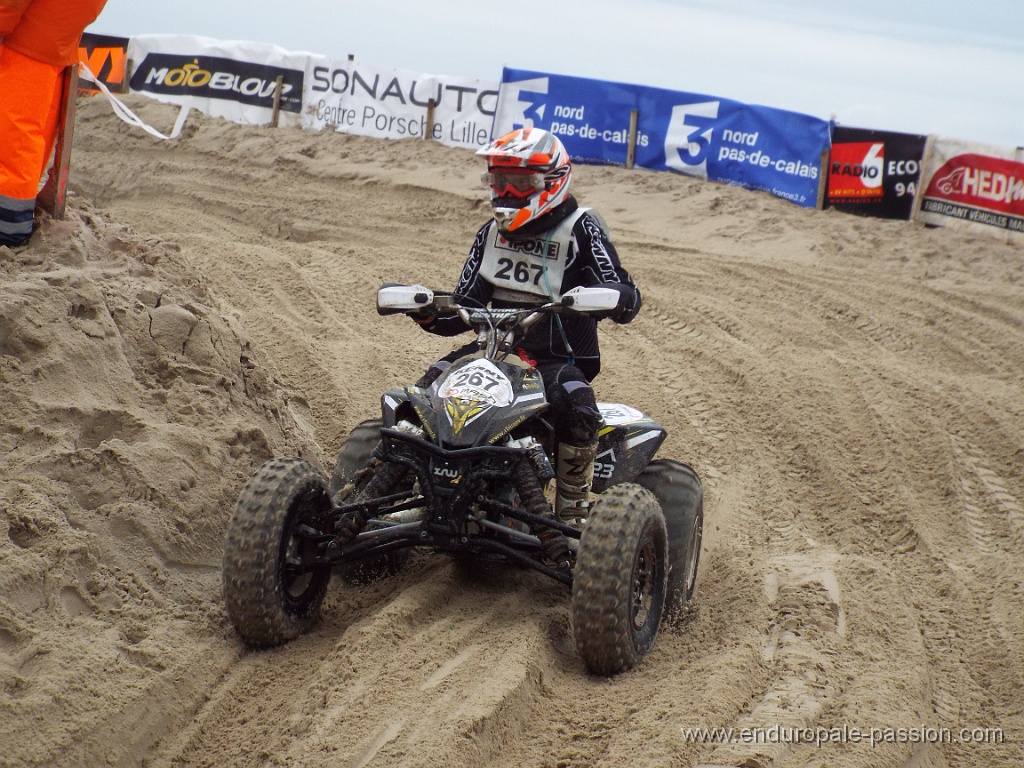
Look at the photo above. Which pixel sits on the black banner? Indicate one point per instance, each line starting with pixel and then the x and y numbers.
pixel 106 58
pixel 874 173
pixel 213 77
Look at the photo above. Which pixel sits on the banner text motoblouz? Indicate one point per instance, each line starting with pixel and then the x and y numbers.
pixel 755 147
pixel 230 79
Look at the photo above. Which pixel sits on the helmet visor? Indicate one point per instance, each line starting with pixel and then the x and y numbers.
pixel 514 182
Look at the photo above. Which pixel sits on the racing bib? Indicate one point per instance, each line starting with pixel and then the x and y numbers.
pixel 529 270
pixel 480 382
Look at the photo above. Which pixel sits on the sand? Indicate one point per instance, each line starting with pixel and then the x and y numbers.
pixel 850 390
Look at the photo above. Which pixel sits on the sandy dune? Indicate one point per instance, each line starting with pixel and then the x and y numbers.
pixel 850 390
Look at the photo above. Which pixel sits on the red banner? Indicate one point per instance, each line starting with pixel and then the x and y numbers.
pixel 980 189
pixel 856 170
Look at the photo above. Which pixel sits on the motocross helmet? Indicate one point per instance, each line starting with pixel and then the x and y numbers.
pixel 528 171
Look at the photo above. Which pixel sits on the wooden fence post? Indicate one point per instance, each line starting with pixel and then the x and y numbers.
pixel 631 150
pixel 819 203
pixel 428 131
pixel 53 197
pixel 278 87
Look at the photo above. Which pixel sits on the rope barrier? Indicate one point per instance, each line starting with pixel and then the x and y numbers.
pixel 123 112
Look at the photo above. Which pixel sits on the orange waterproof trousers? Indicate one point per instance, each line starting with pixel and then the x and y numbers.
pixel 38 38
pixel 30 99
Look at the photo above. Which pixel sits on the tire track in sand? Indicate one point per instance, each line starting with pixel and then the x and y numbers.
pixel 808 623
pixel 407 676
pixel 994 517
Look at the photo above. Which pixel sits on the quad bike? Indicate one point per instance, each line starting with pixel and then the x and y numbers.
pixel 462 466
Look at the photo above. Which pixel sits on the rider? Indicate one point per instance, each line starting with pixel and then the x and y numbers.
pixel 539 244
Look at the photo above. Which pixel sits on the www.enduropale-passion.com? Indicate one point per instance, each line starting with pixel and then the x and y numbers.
pixel 783 734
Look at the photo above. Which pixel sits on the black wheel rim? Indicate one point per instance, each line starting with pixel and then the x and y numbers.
pixel 644 583
pixel 294 581
pixel 298 582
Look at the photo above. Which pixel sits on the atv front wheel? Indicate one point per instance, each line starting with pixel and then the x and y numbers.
pixel 618 592
pixel 270 597
pixel 681 496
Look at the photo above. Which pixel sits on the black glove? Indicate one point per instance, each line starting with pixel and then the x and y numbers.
pixel 629 301
pixel 423 317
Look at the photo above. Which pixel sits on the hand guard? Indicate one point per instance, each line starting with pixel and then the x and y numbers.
pixel 629 302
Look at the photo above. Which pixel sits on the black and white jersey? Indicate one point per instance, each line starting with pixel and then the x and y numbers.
pixel 538 268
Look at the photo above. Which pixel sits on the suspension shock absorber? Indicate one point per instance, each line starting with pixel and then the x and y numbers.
pixel 531 492
pixel 538 458
pixel 554 545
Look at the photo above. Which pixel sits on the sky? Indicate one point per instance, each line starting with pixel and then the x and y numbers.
pixel 954 68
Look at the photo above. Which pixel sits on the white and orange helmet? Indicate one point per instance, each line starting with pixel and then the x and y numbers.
pixel 528 171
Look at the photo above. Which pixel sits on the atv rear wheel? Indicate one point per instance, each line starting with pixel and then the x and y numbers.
pixel 618 593
pixel 352 472
pixel 269 598
pixel 681 496
pixel 355 453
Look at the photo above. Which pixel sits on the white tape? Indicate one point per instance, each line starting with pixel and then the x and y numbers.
pixel 130 117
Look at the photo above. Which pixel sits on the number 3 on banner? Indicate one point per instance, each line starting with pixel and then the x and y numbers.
pixel 688 138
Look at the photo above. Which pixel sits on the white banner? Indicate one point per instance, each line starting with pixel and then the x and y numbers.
pixel 386 103
pixel 221 78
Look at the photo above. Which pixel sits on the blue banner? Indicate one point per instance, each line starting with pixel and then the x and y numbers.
pixel 762 148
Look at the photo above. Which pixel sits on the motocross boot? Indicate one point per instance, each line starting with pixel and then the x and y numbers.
pixel 574 476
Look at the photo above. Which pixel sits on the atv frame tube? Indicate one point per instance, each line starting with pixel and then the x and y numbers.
pixel 447 513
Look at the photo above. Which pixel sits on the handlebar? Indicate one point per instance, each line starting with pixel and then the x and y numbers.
pixel 595 301
pixel 497 329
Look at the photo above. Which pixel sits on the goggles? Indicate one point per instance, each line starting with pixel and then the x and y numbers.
pixel 514 182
